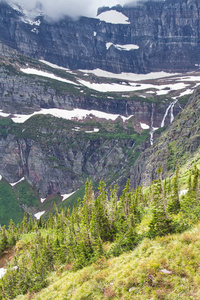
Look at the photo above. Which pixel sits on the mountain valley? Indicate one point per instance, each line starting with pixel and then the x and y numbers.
pixel 100 152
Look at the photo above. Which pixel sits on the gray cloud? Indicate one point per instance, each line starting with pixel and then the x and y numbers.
pixel 57 8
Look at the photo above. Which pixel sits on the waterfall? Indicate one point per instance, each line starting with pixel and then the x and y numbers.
pixel 165 115
pixel 126 109
pixel 151 127
pixel 171 114
pixel 170 107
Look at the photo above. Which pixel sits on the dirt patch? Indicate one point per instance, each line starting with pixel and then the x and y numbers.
pixel 7 256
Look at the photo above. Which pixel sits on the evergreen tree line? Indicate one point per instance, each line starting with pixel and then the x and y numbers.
pixel 78 238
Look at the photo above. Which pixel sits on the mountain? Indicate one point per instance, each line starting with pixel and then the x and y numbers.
pixel 164 36
pixel 99 153
pixel 64 120
pixel 179 145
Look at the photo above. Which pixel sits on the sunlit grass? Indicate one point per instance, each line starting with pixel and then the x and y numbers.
pixel 136 274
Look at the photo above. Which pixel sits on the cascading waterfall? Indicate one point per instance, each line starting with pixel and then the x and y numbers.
pixel 171 114
pixel 170 107
pixel 126 109
pixel 152 128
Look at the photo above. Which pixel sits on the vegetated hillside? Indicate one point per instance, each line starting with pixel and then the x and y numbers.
pixel 56 156
pixel 102 228
pixel 178 144
pixel 164 268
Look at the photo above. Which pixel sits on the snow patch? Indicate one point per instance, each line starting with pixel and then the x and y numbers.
pixel 29 16
pixel 108 45
pixel 127 47
pixel 186 92
pixel 42 200
pixel 78 114
pixel 13 184
pixel 94 33
pixel 39 214
pixel 66 196
pixel 116 87
pixel 95 130
pixel 2 114
pixel 1 177
pixel 31 22
pixel 144 126
pixel 34 30
pixel 76 128
pixel 55 66
pixel 45 74
pixel 129 76
pixel 162 92
pixel 113 17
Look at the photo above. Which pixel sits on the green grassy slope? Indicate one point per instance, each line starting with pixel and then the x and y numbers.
pixel 10 207
pixel 140 274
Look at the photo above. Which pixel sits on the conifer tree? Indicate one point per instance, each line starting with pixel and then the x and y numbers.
pixel 174 204
pixel 160 223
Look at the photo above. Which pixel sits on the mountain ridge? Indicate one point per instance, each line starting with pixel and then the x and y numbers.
pixel 161 47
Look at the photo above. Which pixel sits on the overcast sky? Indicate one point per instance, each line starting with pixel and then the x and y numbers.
pixel 74 8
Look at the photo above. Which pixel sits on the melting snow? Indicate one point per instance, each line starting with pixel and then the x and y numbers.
pixel 162 92
pixel 144 126
pixel 190 78
pixel 45 74
pixel 13 184
pixel 127 47
pixel 0 177
pixel 129 76
pixel 31 22
pixel 186 92
pixel 42 200
pixel 69 114
pixel 95 130
pixel 55 66
pixel 34 30
pixel 114 17
pixel 2 114
pixel 39 214
pixel 29 16
pixel 76 129
pixel 65 196
pixel 94 33
pixel 114 87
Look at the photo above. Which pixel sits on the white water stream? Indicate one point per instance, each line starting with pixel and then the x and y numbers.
pixel 170 107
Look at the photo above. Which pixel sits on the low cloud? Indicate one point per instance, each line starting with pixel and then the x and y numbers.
pixel 73 8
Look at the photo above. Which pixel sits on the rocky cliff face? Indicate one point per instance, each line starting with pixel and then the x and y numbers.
pixel 175 146
pixel 24 94
pixel 166 33
pixel 56 157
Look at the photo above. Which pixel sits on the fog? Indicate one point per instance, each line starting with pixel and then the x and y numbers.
pixel 74 8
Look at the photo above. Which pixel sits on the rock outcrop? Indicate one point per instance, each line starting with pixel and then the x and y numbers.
pixel 166 33
pixel 174 147
pixel 56 158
